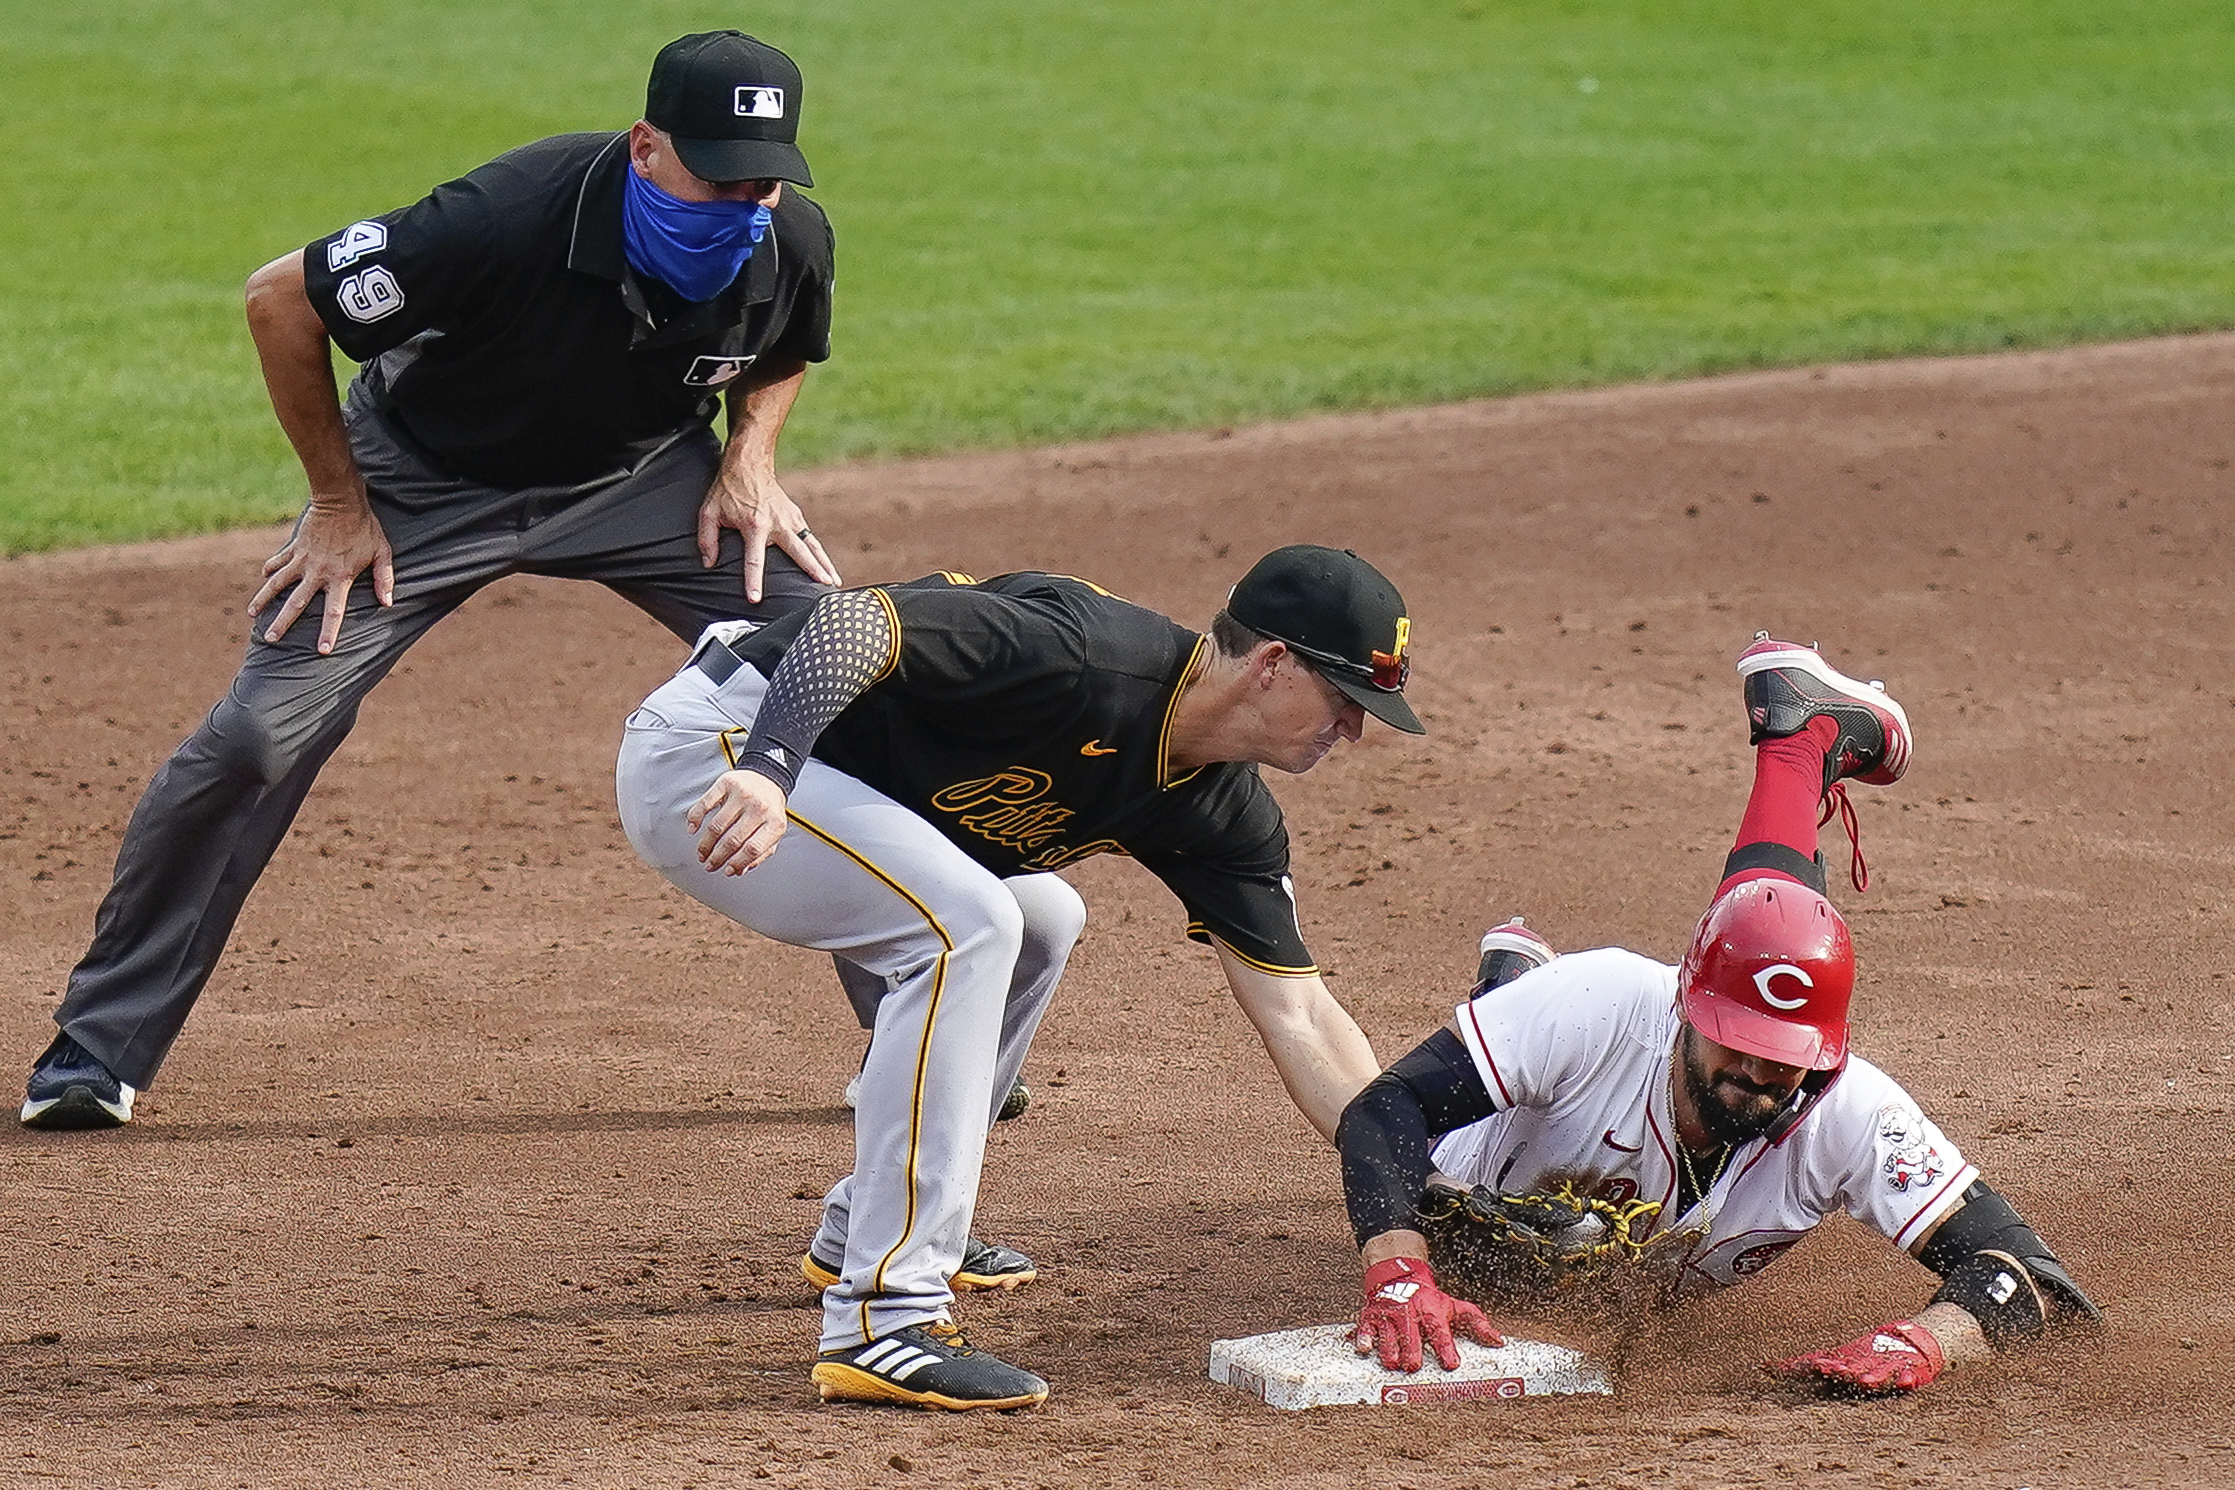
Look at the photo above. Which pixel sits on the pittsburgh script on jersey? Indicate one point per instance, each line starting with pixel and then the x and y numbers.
pixel 1014 809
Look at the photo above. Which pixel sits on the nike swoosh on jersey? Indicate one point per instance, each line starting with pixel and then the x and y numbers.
pixel 1626 1148
pixel 1096 747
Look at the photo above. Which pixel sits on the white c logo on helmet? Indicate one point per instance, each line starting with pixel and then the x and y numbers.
pixel 1761 985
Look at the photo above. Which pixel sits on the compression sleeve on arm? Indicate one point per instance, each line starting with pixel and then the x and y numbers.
pixel 1987 1225
pixel 1388 1129
pixel 850 641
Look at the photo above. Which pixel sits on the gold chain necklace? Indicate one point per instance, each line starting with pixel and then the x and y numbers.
pixel 1722 1162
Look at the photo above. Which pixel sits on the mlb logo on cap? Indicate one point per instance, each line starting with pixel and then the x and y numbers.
pixel 731 106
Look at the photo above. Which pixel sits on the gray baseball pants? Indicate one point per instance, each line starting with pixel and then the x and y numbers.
pixel 215 812
pixel 971 960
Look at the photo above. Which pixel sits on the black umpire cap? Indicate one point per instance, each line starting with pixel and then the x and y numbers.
pixel 731 105
pixel 1336 611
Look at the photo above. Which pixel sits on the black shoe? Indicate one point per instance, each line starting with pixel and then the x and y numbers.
pixel 1787 685
pixel 818 1272
pixel 925 1365
pixel 1509 949
pixel 985 1266
pixel 69 1088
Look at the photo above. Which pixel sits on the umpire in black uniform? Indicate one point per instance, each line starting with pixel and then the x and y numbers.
pixel 544 344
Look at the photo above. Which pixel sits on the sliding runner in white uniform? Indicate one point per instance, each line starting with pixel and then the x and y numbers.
pixel 1603 1121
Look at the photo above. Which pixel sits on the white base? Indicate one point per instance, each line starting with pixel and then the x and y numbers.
pixel 1317 1367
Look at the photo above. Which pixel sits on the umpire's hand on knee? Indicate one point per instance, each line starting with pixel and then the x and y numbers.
pixel 738 821
pixel 336 539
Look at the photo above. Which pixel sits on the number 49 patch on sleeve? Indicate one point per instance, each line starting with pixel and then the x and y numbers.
pixel 359 239
pixel 367 297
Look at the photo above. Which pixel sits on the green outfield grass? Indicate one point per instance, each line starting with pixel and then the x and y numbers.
pixel 1062 219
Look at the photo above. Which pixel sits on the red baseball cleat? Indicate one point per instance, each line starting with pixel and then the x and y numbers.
pixel 1788 685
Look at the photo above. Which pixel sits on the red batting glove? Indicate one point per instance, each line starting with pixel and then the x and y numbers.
pixel 1402 1305
pixel 1897 1357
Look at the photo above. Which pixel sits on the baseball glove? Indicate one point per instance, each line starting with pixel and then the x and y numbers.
pixel 1487 1245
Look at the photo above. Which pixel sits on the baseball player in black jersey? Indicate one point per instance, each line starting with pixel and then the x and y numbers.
pixel 544 342
pixel 895 775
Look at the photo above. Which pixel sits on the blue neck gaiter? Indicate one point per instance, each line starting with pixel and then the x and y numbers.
pixel 694 248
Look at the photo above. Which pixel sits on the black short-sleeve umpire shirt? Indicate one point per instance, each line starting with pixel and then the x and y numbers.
pixel 508 336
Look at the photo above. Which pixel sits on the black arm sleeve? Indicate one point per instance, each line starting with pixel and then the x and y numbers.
pixel 849 642
pixel 1387 1131
pixel 1985 1222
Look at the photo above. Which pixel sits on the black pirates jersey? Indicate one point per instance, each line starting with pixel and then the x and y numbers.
pixel 1028 718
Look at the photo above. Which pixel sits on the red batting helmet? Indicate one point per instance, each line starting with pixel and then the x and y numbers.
pixel 1770 973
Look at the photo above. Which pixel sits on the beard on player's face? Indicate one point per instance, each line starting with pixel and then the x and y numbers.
pixel 1732 1107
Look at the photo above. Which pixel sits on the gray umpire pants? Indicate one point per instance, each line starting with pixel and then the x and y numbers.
pixel 970 959
pixel 218 808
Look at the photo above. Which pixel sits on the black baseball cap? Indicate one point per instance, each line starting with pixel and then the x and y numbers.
pixel 1336 611
pixel 731 104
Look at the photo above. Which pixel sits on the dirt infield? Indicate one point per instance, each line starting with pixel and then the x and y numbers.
pixel 486 1157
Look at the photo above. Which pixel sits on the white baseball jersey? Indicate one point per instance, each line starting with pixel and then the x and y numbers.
pixel 1577 1056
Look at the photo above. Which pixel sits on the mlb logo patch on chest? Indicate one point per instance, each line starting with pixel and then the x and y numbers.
pixel 713 372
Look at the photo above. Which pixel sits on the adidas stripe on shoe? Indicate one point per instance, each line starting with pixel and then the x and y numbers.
pixel 926 1365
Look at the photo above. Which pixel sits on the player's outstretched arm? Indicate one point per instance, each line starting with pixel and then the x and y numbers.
pixel 747 496
pixel 338 537
pixel 1387 1138
pixel 1321 1054
pixel 2001 1287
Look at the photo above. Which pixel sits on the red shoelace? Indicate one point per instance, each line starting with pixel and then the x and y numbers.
pixel 1835 800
